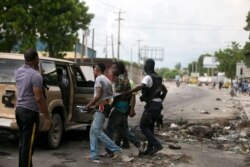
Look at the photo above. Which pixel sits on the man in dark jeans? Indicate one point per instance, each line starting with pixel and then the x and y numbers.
pixel 118 118
pixel 153 93
pixel 30 100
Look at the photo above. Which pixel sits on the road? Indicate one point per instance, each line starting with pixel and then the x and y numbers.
pixel 183 103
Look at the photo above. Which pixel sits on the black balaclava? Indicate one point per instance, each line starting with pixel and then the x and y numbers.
pixel 149 66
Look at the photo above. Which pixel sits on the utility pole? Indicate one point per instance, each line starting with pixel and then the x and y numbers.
pixel 82 47
pixel 86 42
pixel 106 53
pixel 76 43
pixel 139 54
pixel 93 41
pixel 192 67
pixel 196 63
pixel 112 43
pixel 119 42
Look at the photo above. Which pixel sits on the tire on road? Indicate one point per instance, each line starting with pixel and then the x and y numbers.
pixel 54 135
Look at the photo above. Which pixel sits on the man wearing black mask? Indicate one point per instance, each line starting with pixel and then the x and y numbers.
pixel 153 93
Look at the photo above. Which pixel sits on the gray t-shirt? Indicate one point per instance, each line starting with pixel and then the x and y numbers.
pixel 26 79
pixel 103 82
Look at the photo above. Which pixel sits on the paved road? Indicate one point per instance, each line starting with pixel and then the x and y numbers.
pixel 185 102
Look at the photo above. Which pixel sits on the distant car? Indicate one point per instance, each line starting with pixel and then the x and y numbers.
pixel 62 100
pixel 227 84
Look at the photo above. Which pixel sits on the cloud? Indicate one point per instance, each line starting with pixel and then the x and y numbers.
pixel 184 28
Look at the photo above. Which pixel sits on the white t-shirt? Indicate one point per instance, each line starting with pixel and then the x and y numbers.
pixel 148 81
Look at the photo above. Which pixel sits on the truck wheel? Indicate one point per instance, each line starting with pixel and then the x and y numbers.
pixel 55 133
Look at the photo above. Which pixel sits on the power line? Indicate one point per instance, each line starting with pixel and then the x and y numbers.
pixel 176 23
pixel 111 6
pixel 176 28
pixel 183 24
pixel 179 28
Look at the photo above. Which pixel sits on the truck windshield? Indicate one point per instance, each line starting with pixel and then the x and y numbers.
pixel 7 71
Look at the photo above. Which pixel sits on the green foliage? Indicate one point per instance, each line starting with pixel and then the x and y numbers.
pixel 178 66
pixel 200 67
pixel 246 52
pixel 168 73
pixel 228 59
pixel 52 22
pixel 247 45
pixel 247 28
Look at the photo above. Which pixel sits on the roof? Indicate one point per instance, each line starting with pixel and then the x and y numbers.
pixel 21 57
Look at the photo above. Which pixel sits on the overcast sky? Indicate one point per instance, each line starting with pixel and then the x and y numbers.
pixel 185 29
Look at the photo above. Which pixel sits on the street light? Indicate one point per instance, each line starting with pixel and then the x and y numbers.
pixel 131 67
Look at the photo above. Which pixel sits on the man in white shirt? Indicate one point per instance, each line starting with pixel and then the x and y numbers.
pixel 153 93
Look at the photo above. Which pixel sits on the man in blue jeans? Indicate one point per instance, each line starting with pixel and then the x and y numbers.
pixel 103 89
pixel 153 93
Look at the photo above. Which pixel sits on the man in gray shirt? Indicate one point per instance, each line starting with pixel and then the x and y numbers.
pixel 30 100
pixel 103 90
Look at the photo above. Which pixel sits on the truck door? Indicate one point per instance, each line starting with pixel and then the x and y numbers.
pixel 83 93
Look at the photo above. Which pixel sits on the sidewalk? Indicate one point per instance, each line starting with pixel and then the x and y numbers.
pixel 244 100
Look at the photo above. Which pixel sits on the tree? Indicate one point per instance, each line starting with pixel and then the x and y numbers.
pixel 55 23
pixel 162 71
pixel 200 67
pixel 178 66
pixel 228 59
pixel 247 45
pixel 16 24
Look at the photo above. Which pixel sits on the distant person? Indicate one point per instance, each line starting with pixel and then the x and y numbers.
pixel 30 100
pixel 240 87
pixel 177 80
pixel 235 86
pixel 220 85
pixel 103 89
pixel 153 93
pixel 245 87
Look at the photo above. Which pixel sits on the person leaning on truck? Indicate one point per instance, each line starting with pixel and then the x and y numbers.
pixel 30 100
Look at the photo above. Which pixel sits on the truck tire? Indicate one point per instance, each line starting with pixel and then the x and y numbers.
pixel 55 133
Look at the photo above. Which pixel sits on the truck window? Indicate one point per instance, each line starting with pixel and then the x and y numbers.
pixel 49 74
pixel 8 67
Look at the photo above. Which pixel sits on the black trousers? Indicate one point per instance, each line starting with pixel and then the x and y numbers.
pixel 28 124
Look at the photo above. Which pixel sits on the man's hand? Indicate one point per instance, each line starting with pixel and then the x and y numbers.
pixel 48 124
pixel 132 113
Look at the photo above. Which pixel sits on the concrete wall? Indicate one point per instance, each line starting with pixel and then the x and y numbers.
pixel 135 73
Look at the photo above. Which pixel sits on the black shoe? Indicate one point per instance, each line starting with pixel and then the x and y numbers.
pixel 107 155
pixel 156 149
pixel 125 146
pixel 147 152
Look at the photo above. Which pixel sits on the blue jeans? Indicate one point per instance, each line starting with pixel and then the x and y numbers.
pixel 97 135
pixel 149 116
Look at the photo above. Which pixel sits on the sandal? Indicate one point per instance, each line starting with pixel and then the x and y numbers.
pixel 88 157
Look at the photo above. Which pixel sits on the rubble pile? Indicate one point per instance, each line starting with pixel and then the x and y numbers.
pixel 161 160
pixel 229 135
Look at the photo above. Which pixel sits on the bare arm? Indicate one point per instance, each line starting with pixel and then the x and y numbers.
pixel 164 92
pixel 98 96
pixel 40 99
pixel 137 88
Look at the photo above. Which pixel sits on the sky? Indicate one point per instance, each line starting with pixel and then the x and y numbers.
pixel 181 30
